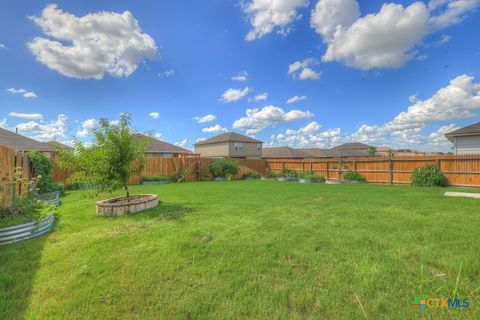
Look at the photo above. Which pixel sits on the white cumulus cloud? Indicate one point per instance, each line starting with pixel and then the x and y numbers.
pixel 258 119
pixel 241 76
pixel 206 118
pixel 87 127
pixel 459 100
pixel 385 39
pixel 267 15
pixel 301 70
pixel 214 129
pixel 182 144
pixel 25 93
pixel 296 99
pixel 232 95
pixel 46 130
pixel 154 115
pixel 91 46
pixel 29 116
pixel 308 136
pixel 259 97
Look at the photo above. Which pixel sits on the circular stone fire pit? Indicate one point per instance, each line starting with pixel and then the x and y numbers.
pixel 119 206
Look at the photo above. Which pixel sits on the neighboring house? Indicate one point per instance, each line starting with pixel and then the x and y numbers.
pixel 352 149
pixel 408 153
pixel 24 144
pixel 466 140
pixel 160 149
pixel 230 145
pixel 58 145
pixel 284 153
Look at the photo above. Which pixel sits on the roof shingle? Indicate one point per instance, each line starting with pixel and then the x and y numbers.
pixel 465 131
pixel 22 143
pixel 228 137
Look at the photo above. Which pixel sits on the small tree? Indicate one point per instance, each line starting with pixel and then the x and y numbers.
pixel 391 153
pixel 116 154
pixel 372 151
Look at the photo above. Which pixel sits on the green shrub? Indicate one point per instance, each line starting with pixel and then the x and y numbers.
pixel 310 175
pixel 252 175
pixel 18 208
pixel 156 178
pixel 269 173
pixel 224 168
pixel 353 176
pixel 428 176
pixel 42 168
pixel 287 173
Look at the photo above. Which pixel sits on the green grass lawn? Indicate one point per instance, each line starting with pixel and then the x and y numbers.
pixel 251 249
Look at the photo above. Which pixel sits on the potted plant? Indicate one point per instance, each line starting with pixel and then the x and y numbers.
pixel 223 169
pixel 116 154
pixel 287 175
pixel 156 180
pixel 252 176
pixel 269 175
pixel 310 177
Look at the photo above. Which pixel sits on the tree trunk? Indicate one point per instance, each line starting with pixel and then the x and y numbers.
pixel 126 191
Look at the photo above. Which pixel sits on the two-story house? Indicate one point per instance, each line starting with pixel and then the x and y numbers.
pixel 230 145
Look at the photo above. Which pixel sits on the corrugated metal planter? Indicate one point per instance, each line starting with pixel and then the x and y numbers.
pixel 252 178
pixel 156 182
pixel 26 231
pixel 219 179
pixel 310 180
pixel 118 207
pixel 286 179
pixel 52 198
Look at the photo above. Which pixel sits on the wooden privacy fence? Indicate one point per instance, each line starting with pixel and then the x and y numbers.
pixel 168 166
pixel 460 170
pixel 11 159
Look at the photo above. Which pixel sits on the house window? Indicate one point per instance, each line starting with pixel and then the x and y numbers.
pixel 259 146
pixel 237 146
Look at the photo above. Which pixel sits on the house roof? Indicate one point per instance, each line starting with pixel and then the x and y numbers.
pixel 283 152
pixel 351 146
pixel 228 137
pixel 59 145
pixel 316 152
pixel 473 129
pixel 157 146
pixel 22 143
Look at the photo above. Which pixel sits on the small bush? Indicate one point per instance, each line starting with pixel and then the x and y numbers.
pixel 353 176
pixel 224 168
pixel 156 178
pixel 252 175
pixel 310 175
pixel 43 170
pixel 288 173
pixel 428 176
pixel 269 173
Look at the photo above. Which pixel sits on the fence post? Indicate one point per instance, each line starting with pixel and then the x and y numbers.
pixel 327 170
pixel 355 165
pixel 391 171
pixel 438 164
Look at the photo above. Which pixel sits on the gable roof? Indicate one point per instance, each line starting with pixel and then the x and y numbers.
pixel 351 146
pixel 316 152
pixel 157 146
pixel 473 129
pixel 59 145
pixel 22 143
pixel 228 137
pixel 334 153
pixel 283 152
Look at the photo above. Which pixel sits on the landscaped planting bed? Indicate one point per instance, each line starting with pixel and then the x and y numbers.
pixel 251 250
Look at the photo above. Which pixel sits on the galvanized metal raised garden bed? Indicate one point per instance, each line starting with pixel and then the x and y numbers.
pixel 26 231
pixel 52 198
pixel 156 182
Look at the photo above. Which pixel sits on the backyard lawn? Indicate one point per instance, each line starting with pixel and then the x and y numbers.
pixel 251 249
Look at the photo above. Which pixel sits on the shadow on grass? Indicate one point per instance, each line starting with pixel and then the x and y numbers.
pixel 19 263
pixel 167 211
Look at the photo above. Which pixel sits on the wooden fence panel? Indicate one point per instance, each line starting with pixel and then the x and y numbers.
pixel 460 170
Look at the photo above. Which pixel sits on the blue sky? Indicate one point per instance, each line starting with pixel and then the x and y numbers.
pixel 396 73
